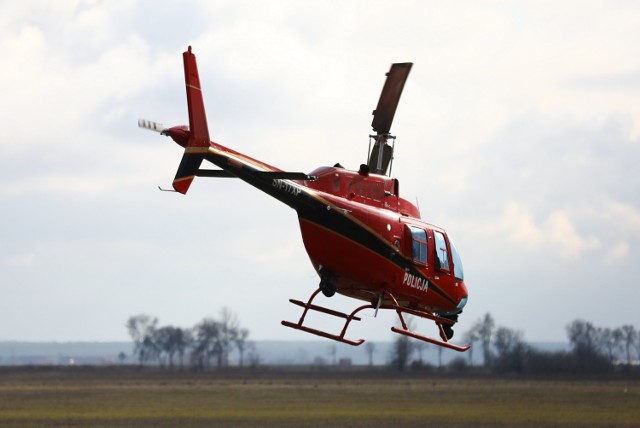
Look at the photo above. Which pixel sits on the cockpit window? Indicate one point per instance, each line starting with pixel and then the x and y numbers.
pixel 442 255
pixel 457 262
pixel 418 244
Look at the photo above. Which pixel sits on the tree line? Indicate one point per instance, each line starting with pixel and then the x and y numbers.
pixel 592 349
pixel 209 343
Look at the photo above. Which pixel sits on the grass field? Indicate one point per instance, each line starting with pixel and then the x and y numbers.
pixel 125 397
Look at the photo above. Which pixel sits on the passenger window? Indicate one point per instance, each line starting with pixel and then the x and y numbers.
pixel 418 245
pixel 442 257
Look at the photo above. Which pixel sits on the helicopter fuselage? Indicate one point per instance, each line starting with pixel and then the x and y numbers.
pixel 364 240
pixel 358 232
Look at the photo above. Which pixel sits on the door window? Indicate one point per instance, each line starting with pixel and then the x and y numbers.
pixel 418 244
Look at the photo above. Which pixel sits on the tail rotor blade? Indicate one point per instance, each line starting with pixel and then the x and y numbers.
pixel 151 126
pixel 390 96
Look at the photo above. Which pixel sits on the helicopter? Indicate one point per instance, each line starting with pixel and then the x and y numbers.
pixel 363 239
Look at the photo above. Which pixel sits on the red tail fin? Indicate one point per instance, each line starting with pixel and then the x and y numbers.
pixel 197 117
pixel 198 131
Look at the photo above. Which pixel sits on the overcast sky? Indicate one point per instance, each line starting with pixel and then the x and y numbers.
pixel 518 132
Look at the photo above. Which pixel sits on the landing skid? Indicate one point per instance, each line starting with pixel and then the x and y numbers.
pixel 308 306
pixel 440 321
pixel 431 340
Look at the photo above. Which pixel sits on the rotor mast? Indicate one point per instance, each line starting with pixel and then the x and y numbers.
pixel 381 155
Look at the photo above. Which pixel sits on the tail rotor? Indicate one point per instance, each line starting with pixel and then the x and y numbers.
pixel 153 126
pixel 195 137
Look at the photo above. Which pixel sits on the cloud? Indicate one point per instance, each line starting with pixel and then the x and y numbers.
pixel 622 223
pixel 554 236
pixel 70 83
pixel 517 131
pixel 625 216
pixel 619 253
pixel 20 260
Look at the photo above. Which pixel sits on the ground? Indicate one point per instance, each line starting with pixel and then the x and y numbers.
pixel 128 397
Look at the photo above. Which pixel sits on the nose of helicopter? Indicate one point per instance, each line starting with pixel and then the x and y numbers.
pixel 462 295
pixel 462 303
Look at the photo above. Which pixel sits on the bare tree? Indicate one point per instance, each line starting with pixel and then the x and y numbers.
pixel 402 348
pixel 419 348
pixel 369 348
pixel 471 336
pixel 205 343
pixel 209 339
pixel 184 339
pixel 241 343
pixel 162 340
pixel 583 336
pixel 333 352
pixel 253 356
pixel 170 341
pixel 584 341
pixel 636 344
pixel 141 328
pixel 216 338
pixel 609 341
pixel 629 336
pixel 401 352
pixel 228 332
pixel 511 350
pixel 485 330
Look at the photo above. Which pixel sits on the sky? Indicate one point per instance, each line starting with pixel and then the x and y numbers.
pixel 518 132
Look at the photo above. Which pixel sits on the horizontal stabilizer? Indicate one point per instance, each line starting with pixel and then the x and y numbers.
pixel 282 175
pixel 214 173
pixel 274 175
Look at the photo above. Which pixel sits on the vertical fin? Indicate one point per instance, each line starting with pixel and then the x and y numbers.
pixel 199 142
pixel 197 117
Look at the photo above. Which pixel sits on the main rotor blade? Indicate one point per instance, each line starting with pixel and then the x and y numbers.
pixel 388 102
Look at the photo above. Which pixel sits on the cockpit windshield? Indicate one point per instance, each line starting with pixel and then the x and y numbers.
pixel 457 262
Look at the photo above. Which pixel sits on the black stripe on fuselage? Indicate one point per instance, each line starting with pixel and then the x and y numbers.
pixel 335 221
pixel 313 208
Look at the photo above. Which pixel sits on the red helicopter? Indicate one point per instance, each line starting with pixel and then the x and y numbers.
pixel 363 239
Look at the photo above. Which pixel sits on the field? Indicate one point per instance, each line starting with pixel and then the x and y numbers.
pixel 127 397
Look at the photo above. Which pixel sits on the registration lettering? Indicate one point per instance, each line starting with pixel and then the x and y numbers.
pixel 286 187
pixel 416 282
